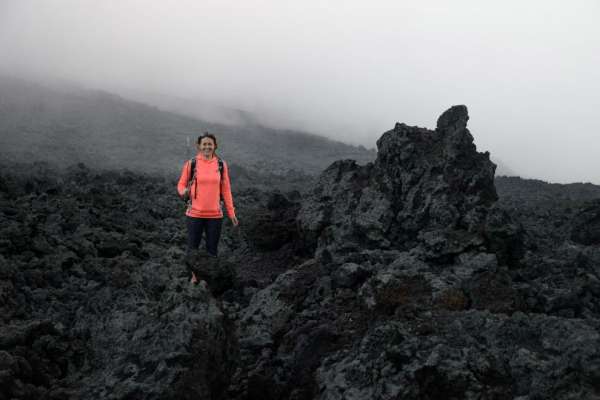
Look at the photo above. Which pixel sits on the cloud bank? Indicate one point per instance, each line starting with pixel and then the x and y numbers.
pixel 528 71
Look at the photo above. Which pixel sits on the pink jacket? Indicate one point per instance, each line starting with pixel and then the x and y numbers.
pixel 207 188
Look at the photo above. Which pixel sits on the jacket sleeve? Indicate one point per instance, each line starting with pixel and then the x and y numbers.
pixel 226 191
pixel 184 178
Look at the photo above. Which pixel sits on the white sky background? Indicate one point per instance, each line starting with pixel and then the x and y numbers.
pixel 529 71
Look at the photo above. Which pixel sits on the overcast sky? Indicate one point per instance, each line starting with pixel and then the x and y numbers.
pixel 529 71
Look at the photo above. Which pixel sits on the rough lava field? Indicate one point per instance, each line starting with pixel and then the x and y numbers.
pixel 416 276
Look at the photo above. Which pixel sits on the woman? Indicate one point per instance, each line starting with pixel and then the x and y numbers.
pixel 205 187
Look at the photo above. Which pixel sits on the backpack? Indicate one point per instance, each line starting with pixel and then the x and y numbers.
pixel 193 174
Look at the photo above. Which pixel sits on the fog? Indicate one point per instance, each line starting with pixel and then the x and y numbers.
pixel 528 71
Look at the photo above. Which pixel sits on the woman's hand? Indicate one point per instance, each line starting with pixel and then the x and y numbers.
pixel 234 220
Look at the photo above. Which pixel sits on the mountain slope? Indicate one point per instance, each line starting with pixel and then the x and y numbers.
pixel 65 126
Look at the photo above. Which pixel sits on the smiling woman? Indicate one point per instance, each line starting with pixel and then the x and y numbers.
pixel 204 182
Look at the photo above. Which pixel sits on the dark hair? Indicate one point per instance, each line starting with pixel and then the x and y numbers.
pixel 208 135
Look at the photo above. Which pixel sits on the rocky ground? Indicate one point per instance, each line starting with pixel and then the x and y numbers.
pixel 417 276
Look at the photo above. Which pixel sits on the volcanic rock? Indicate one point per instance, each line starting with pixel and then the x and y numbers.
pixel 273 223
pixel 421 287
pixel 427 188
pixel 586 225
pixel 94 301
pixel 406 279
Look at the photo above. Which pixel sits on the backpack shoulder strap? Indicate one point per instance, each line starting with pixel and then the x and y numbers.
pixel 192 169
pixel 193 175
pixel 220 178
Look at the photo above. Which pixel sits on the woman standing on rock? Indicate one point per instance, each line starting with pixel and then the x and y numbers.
pixel 204 182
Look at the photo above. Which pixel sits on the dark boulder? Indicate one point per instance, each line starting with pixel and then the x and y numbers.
pixel 273 222
pixel 586 224
pixel 218 273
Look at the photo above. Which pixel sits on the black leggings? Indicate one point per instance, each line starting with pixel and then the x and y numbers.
pixel 197 227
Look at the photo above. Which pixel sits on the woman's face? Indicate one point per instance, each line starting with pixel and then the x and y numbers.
pixel 207 147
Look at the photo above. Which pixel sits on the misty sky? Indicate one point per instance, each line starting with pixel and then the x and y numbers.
pixel 529 71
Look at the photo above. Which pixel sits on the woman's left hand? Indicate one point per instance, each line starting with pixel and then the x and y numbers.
pixel 234 221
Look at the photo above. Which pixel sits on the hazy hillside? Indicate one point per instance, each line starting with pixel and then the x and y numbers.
pixel 195 108
pixel 67 125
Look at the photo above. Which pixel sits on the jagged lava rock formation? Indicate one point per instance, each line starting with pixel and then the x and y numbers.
pixel 426 187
